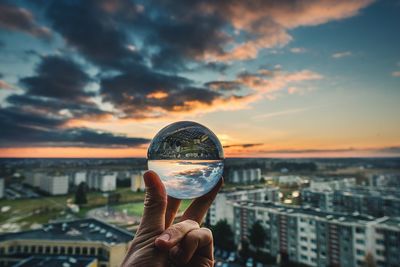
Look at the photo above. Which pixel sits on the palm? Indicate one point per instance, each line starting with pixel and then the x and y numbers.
pixel 188 245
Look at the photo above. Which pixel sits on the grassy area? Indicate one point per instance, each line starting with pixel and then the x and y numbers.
pixel 137 208
pixel 32 211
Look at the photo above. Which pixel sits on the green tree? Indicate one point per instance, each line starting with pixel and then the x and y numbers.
pixel 257 235
pixel 369 260
pixel 80 194
pixel 223 235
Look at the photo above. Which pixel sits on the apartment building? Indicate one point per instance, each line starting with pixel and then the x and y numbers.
pixel 245 176
pixel 102 181
pixel 137 182
pixel 89 238
pixel 318 238
pixel 54 185
pixel 222 207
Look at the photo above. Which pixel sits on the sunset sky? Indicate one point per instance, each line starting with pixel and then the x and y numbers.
pixel 275 78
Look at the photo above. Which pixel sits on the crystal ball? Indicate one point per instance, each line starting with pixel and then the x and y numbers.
pixel 188 157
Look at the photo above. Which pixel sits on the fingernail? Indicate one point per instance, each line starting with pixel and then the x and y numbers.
pixel 164 237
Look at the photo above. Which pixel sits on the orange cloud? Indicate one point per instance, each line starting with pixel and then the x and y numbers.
pixel 5 85
pixel 269 21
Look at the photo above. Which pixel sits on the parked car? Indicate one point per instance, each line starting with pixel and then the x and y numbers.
pixel 232 257
pixel 249 262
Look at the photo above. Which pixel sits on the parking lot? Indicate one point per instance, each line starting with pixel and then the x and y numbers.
pixel 17 191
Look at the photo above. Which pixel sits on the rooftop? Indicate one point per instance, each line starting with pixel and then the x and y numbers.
pixel 55 261
pixel 342 217
pixel 76 230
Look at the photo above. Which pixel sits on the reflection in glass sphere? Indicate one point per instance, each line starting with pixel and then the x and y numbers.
pixel 188 157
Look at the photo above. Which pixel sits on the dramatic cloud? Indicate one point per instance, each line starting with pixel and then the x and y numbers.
pixel 5 85
pixel 14 18
pixel 21 129
pixel 88 27
pixel 59 78
pixel 341 54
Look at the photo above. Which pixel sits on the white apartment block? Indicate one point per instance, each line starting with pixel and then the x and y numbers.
pixel 137 182
pixel 102 182
pixel 1 187
pixel 33 178
pixel 79 177
pixel 54 185
pixel 336 184
pixel 244 176
pixel 222 207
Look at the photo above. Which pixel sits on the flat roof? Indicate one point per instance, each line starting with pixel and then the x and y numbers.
pixel 330 216
pixel 76 230
pixel 55 261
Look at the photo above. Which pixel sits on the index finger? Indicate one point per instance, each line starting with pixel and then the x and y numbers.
pixel 197 210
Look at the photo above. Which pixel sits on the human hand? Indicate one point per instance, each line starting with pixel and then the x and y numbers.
pixel 158 243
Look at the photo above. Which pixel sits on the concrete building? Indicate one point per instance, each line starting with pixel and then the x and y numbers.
pixel 137 182
pixel 332 184
pixel 33 178
pixel 369 201
pixel 2 187
pixel 79 177
pixel 289 180
pixel 322 199
pixel 102 182
pixel 222 207
pixel 58 261
pixel 318 238
pixel 54 185
pixel 79 238
pixel 245 176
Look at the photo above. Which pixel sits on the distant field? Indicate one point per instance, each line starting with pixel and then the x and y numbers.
pixel 137 208
pixel 24 213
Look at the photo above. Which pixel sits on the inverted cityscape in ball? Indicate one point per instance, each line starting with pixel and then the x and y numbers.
pixel 188 157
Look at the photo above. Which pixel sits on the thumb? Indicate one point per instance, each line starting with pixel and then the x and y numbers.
pixel 155 204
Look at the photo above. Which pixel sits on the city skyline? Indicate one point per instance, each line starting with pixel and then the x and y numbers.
pixel 270 78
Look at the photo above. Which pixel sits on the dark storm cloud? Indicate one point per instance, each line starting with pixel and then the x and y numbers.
pixel 15 18
pixel 21 128
pixel 132 92
pixel 56 107
pixel 90 29
pixel 57 77
pixel 188 37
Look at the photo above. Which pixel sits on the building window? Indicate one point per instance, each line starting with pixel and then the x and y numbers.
pixel 55 250
pixel 92 251
pixel 62 250
pixel 360 252
pixel 70 250
pixel 48 249
pixel 84 251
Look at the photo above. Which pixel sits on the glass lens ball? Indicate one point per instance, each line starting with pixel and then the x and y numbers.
pixel 188 157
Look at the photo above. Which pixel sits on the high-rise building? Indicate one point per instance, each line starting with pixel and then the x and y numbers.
pixel 222 206
pixel 369 201
pixel 103 182
pixel 79 177
pixel 54 185
pixel 1 187
pixel 137 182
pixel 318 238
pixel 79 238
pixel 245 176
